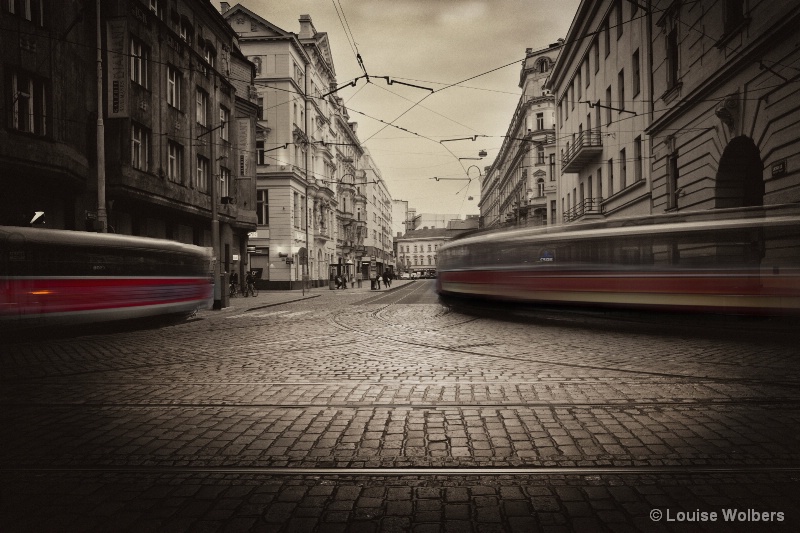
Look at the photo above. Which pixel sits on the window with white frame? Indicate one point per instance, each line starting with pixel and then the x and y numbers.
pixel 140 147
pixel 224 182
pixel 29 101
pixel 140 59
pixel 174 161
pixel 262 207
pixel 202 107
pixel 174 86
pixel 224 120
pixel 539 154
pixel 201 176
pixel 637 158
pixel 209 55
pixel 32 10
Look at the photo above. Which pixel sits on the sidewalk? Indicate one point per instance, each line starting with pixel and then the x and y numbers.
pixel 267 298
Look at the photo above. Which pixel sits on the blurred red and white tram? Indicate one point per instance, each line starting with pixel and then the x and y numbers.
pixel 738 261
pixel 68 277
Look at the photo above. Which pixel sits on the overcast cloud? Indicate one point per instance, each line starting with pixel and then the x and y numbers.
pixel 433 43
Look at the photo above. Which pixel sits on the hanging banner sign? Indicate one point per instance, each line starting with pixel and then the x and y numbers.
pixel 118 81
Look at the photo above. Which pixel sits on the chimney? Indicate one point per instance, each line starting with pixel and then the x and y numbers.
pixel 224 6
pixel 307 30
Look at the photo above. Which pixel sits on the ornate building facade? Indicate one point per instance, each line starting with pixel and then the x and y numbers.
pixel 520 186
pixel 313 178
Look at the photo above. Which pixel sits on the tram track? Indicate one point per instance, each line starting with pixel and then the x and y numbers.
pixel 461 349
pixel 415 404
pixel 515 471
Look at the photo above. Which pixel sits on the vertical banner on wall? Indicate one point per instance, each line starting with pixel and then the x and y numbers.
pixel 118 81
pixel 246 170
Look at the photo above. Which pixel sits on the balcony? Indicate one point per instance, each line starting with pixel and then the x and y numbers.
pixel 588 146
pixel 589 208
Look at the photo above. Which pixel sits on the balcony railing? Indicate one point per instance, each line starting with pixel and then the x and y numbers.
pixel 588 145
pixel 590 206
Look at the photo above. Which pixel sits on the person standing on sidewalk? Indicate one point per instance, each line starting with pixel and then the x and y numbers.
pixel 358 278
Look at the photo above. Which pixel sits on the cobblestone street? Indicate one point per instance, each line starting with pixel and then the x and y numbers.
pixel 360 410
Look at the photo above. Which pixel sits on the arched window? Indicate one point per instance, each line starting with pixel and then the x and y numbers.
pixel 544 65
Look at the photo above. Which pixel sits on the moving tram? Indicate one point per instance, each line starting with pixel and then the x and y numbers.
pixel 68 277
pixel 744 261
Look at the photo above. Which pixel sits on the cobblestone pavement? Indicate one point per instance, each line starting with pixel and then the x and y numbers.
pixel 360 410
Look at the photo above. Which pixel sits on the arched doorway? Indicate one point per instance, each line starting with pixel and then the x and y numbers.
pixel 740 178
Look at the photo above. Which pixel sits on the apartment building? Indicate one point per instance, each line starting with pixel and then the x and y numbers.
pixel 315 183
pixel 176 128
pixel 602 90
pixel 520 187
pixel 725 104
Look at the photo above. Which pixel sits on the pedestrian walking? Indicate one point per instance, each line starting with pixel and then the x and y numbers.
pixel 385 278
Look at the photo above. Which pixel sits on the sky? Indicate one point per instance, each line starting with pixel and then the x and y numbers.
pixel 468 51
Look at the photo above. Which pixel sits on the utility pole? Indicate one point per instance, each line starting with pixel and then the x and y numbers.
pixel 305 164
pixel 102 217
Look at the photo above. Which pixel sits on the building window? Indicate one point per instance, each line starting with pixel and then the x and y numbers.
pixel 539 121
pixel 637 158
pixel 599 184
pixel 209 55
pixel 607 37
pixel 297 210
pixel 672 181
pixel 185 31
pixel 157 8
pixel 608 105
pixel 596 47
pixel 140 57
pixel 580 87
pixel 672 58
pixel 619 19
pixel 540 154
pixel 260 156
pixel 224 182
pixel 637 82
pixel 552 167
pixel 734 14
pixel 174 161
pixel 262 207
pixel 29 99
pixel 31 10
pixel 224 120
pixel 623 170
pixel 201 179
pixel 140 147
pixel 174 87
pixel 621 90
pixel 540 187
pixel 202 107
pixel 611 177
